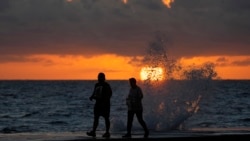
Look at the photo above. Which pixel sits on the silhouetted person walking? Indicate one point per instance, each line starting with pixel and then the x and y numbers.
pixel 135 108
pixel 102 94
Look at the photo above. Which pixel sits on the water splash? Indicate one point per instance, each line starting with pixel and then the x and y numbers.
pixel 169 103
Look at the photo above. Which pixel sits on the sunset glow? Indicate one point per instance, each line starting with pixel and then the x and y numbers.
pixel 69 0
pixel 227 67
pixel 151 73
pixel 76 39
pixel 68 67
pixel 116 67
pixel 168 3
pixel 125 1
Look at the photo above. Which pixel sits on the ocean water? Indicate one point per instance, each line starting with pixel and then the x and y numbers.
pixel 35 106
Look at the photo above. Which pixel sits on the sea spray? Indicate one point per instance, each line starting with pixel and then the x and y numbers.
pixel 168 102
pixel 168 107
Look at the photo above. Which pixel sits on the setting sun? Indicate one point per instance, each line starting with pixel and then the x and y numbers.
pixel 151 73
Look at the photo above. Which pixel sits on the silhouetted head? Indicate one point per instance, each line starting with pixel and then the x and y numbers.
pixel 132 82
pixel 101 77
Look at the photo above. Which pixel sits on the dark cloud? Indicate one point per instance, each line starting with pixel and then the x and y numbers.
pixel 245 62
pixel 222 59
pixel 22 58
pixel 12 58
pixel 195 27
pixel 4 5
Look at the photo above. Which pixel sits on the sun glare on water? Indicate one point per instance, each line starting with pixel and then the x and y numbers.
pixel 152 73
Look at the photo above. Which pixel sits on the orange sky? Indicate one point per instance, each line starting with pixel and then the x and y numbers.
pixel 227 67
pixel 69 67
pixel 115 67
pixel 77 39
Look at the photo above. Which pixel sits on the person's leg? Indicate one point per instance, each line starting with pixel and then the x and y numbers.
pixel 130 117
pixel 130 121
pixel 142 122
pixel 107 124
pixel 95 124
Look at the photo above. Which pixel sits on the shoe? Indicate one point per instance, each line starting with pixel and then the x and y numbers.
pixel 127 136
pixel 106 135
pixel 146 134
pixel 91 133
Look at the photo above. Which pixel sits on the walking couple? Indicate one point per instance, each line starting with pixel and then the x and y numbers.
pixel 102 94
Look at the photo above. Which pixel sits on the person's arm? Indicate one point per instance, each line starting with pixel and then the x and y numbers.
pixel 140 93
pixel 92 96
pixel 109 91
pixel 128 100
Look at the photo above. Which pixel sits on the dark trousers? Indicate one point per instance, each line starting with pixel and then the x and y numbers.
pixel 96 122
pixel 139 118
pixel 101 112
